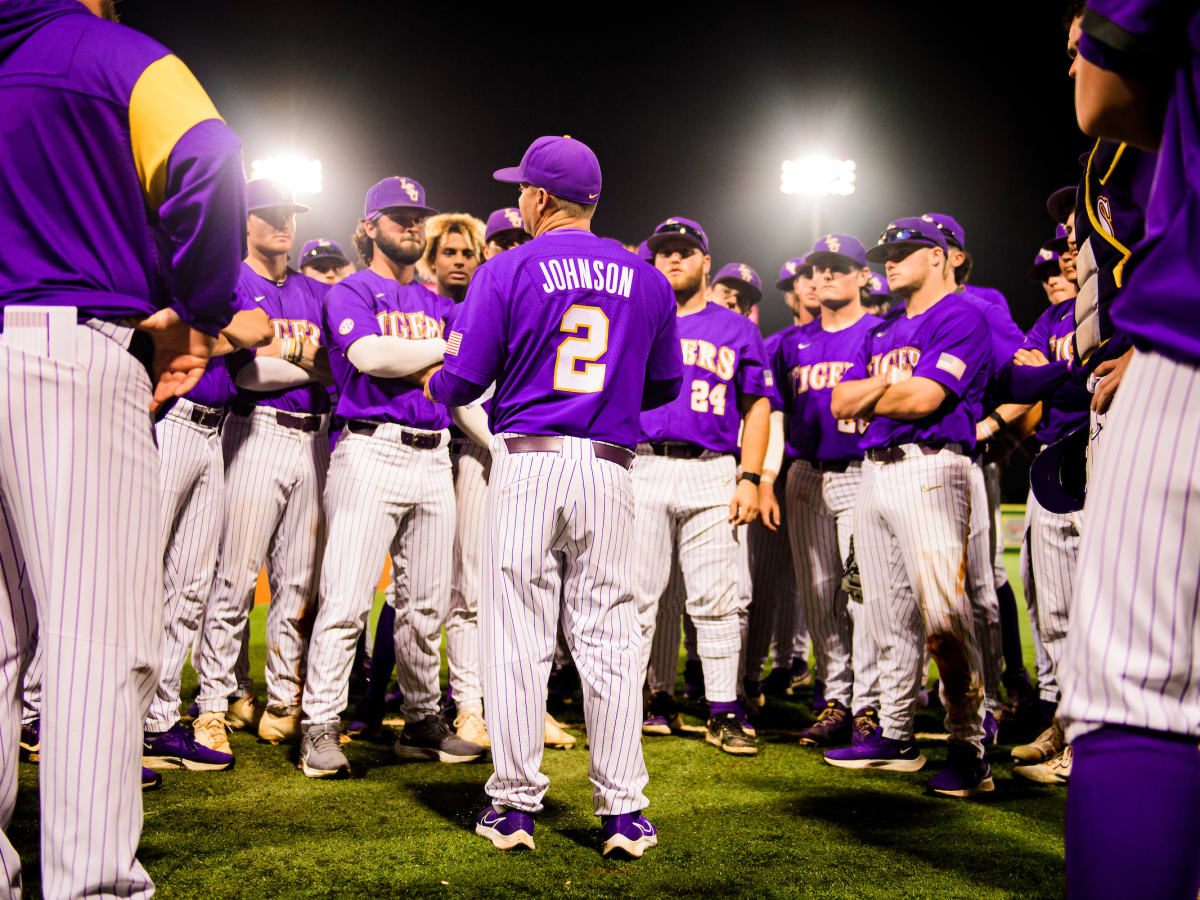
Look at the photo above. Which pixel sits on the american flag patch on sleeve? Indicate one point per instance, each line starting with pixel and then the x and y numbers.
pixel 952 364
pixel 453 342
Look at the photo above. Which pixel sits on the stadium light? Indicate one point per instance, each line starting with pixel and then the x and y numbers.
pixel 817 176
pixel 302 176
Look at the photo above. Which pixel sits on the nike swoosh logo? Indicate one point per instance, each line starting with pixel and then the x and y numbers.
pixel 380 295
pixel 802 346
pixel 488 820
pixel 927 488
pixel 593 196
pixel 260 299
pixel 881 333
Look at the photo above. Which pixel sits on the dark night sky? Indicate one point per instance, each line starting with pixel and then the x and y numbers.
pixel 690 111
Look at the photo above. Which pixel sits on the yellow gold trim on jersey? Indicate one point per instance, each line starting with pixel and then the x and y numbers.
pixel 1089 204
pixel 166 102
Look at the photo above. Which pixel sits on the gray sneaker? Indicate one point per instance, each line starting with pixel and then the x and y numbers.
pixel 321 753
pixel 431 738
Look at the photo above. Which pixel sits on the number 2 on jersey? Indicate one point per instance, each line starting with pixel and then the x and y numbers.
pixel 568 376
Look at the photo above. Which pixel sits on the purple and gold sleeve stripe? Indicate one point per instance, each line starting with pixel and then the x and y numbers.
pixel 166 102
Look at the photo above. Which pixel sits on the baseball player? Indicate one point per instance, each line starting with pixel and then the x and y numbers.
pixel 122 196
pixel 1130 674
pixel 823 485
pixel 324 260
pixel 920 378
pixel 595 342
pixel 505 229
pixel 390 487
pixel 685 476
pixel 276 448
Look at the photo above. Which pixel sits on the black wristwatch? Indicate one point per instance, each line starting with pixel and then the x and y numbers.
pixel 752 477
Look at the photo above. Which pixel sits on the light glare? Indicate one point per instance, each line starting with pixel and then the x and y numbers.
pixel 302 176
pixel 817 176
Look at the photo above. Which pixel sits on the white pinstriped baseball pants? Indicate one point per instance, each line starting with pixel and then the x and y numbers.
pixel 192 471
pixel 383 497
pixel 820 524
pixel 1052 542
pixel 80 561
pixel 910 536
pixel 664 647
pixel 773 599
pixel 1047 683
pixel 991 483
pixel 560 543
pixel 682 506
pixel 981 588
pixel 472 469
pixel 274 478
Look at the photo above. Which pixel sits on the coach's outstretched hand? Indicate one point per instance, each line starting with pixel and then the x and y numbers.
pixel 180 355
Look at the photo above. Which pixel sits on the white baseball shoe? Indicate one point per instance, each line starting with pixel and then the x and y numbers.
pixel 209 729
pixel 470 727
pixel 556 736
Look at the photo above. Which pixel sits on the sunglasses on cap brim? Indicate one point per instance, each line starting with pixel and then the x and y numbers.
pixel 681 228
pixel 906 235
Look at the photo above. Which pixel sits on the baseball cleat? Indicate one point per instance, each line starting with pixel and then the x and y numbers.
pixel 1056 770
pixel 278 726
pixel 176 748
pixel 866 723
pixel 778 683
pixel 693 680
pixel 321 753
pixel 31 742
pixel 965 774
pixel 831 727
pixel 209 731
pixel 628 833
pixel 244 713
pixel 432 739
pixel 470 727
pixel 1044 747
pixel 752 691
pixel 556 737
pixel 151 780
pixel 663 717
pixel 507 829
pixel 878 752
pixel 991 729
pixel 725 731
pixel 801 674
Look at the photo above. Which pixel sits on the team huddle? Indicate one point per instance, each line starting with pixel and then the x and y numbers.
pixel 569 453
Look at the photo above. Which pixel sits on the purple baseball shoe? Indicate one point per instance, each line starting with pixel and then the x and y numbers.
pixel 507 829
pixel 991 729
pixel 831 727
pixel 176 748
pixel 866 723
pixel 878 752
pixel 965 774
pixel 663 715
pixel 151 780
pixel 628 833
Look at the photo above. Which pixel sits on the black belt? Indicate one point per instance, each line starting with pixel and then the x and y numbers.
pixel 831 465
pixel 419 440
pixel 538 443
pixel 207 416
pixel 677 449
pixel 895 454
pixel 287 420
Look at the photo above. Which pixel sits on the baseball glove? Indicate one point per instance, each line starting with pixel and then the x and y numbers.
pixel 852 578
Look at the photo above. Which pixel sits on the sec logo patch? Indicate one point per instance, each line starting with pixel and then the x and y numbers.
pixel 346 327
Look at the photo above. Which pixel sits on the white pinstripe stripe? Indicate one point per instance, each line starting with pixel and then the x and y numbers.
pixel 472 469
pixel 79 487
pixel 559 543
pixel 1047 683
pixel 1053 542
pixel 981 587
pixel 774 612
pixel 664 647
pixel 274 479
pixel 991 481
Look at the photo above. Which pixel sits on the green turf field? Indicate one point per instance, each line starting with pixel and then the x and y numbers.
pixel 783 824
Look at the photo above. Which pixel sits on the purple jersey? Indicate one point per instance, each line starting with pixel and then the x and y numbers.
pixel 724 359
pixel 808 365
pixel 364 304
pixel 771 343
pixel 1054 335
pixel 294 307
pixel 1158 303
pixel 949 344
pixel 570 327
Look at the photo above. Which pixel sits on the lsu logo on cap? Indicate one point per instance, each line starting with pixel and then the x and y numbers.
pixel 1045 254
pixel 744 271
pixel 790 265
pixel 876 282
pixel 514 218
pixel 409 188
pixel 346 326
pixel 833 244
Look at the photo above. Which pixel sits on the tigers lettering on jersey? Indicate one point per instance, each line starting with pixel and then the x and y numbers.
pixel 574 274
pixel 720 360
pixel 410 325
pixel 300 329
pixel 903 358
pixel 819 376
pixel 1062 349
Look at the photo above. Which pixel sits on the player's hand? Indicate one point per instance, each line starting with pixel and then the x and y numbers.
pixel 1030 358
pixel 1110 372
pixel 180 355
pixel 768 506
pixel 426 375
pixel 744 505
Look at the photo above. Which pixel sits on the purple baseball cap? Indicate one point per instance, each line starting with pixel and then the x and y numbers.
pixel 563 166
pixel 506 219
pixel 263 193
pixel 837 248
pixel 643 252
pixel 1061 203
pixel 788 272
pixel 878 284
pixel 741 277
pixel 913 233
pixel 1045 263
pixel 951 230
pixel 321 248
pixel 396 192
pixel 1059 243
pixel 678 228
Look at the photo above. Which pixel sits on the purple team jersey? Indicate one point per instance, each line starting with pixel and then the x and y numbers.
pixel 570 327
pixel 366 303
pixel 1054 334
pixel 723 359
pixel 948 343
pixel 294 308
pixel 771 344
pixel 808 365
pixel 1158 305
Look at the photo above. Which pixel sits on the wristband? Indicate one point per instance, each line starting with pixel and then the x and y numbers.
pixel 752 477
pixel 999 420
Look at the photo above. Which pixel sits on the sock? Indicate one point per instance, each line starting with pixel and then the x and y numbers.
pixel 717 708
